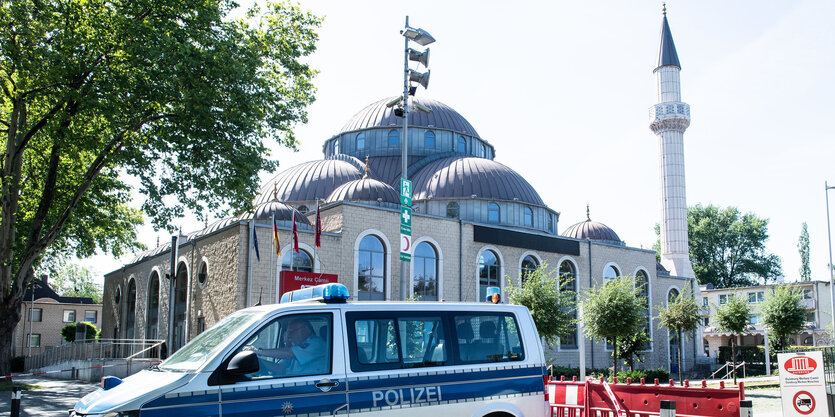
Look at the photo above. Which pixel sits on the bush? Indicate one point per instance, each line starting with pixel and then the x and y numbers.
pixel 750 354
pixel 68 332
pixel 17 363
pixel 649 375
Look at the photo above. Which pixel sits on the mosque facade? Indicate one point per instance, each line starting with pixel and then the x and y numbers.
pixel 476 223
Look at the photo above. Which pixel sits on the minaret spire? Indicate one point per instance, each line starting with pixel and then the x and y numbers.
pixel 669 118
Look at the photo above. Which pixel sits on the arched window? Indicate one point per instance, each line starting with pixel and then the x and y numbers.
pixel 568 282
pixel 130 319
pixel 394 138
pixel 303 209
pixel 493 213
pixel 462 145
pixel 642 284
pixel 453 211
pixel 528 216
pixel 117 299
pixel 360 141
pixel 152 322
pixel 672 295
pixel 489 269
pixel 336 146
pixel 180 296
pixel 429 139
pixel 302 261
pixel 610 273
pixel 425 279
pixel 550 223
pixel 371 270
pixel 203 275
pixel 529 264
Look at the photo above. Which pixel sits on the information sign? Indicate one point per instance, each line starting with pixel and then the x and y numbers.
pixel 406 217
pixel 802 382
pixel 405 247
pixel 405 192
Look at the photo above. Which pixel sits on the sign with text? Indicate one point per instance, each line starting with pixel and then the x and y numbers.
pixel 405 192
pixel 802 382
pixel 405 247
pixel 406 217
pixel 296 280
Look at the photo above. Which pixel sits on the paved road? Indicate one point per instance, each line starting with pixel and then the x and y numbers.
pixel 56 397
pixel 766 402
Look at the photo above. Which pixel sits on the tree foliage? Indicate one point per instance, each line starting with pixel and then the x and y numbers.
pixel 732 317
pixel 803 249
pixel 552 310
pixel 68 332
pixel 728 248
pixel 97 96
pixel 630 348
pixel 613 311
pixel 76 281
pixel 782 313
pixel 680 315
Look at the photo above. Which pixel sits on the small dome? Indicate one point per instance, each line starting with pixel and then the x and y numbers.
pixel 308 181
pixel 463 177
pixel 441 117
pixel 282 212
pixel 365 189
pixel 591 230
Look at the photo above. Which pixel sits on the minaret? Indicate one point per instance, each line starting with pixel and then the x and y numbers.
pixel 669 119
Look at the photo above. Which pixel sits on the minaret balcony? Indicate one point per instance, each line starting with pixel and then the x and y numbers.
pixel 670 115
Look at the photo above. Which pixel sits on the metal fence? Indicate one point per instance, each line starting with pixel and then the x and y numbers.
pixel 97 349
pixel 828 362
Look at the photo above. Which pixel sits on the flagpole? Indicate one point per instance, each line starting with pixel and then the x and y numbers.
pixel 293 244
pixel 315 231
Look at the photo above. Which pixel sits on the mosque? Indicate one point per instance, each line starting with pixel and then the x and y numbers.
pixel 476 223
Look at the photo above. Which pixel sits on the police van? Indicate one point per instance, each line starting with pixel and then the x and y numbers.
pixel 315 354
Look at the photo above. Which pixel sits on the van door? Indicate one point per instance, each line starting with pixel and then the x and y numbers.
pixel 297 372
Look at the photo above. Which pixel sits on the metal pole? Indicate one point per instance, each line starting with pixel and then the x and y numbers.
pixel 767 353
pixel 404 144
pixel 172 277
pixel 831 277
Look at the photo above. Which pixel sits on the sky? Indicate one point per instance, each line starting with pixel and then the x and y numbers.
pixel 563 89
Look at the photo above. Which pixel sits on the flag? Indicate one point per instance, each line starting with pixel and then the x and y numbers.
pixel 318 227
pixel 275 237
pixel 295 235
pixel 255 244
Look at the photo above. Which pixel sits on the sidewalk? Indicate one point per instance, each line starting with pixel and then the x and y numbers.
pixel 54 399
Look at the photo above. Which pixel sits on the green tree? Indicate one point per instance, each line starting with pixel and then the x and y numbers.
pixel 782 313
pixel 680 315
pixel 613 311
pixel 68 332
pixel 728 248
pixel 76 281
pixel 732 317
pixel 552 310
pixel 803 248
pixel 177 97
pixel 630 348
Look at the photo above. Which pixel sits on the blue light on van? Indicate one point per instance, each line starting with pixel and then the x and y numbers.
pixel 329 293
pixel 494 295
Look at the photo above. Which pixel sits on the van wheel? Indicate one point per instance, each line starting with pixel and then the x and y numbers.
pixel 499 414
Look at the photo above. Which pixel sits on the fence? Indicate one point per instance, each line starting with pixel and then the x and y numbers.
pixel 98 349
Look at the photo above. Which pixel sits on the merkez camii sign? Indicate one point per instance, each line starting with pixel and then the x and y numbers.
pixel 802 384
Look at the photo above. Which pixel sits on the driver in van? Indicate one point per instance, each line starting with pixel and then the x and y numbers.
pixel 305 352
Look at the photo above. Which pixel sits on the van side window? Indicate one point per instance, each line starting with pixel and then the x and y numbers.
pixel 293 345
pixel 488 337
pixel 376 341
pixel 396 340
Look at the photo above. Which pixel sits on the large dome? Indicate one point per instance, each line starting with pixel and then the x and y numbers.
pixel 463 177
pixel 441 117
pixel 309 181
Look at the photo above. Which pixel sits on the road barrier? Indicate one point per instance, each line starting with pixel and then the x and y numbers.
pixel 594 398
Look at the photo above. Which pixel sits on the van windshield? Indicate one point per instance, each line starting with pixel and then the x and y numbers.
pixel 206 345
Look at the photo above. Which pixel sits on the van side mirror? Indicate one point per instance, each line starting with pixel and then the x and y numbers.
pixel 245 362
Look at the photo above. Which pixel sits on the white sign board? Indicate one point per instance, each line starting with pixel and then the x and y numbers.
pixel 802 384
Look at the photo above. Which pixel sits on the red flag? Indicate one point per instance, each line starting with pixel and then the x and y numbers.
pixel 295 235
pixel 318 227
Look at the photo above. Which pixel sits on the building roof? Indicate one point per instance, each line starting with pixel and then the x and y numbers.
pixel 667 55
pixel 43 290
pixel 441 117
pixel 308 181
pixel 464 177
pixel 365 189
pixel 281 211
pixel 591 230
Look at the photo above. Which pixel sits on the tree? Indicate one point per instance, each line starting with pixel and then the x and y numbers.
pixel 782 313
pixel 630 348
pixel 613 311
pixel 99 95
pixel 728 248
pixel 680 315
pixel 76 281
pixel 803 248
pixel 91 332
pixel 732 317
pixel 552 310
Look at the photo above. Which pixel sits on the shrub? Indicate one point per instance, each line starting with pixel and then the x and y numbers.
pixel 648 374
pixel 68 332
pixel 17 363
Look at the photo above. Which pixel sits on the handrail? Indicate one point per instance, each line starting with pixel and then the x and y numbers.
pixel 146 349
pixel 730 371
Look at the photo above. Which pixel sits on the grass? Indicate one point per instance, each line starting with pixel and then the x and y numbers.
pixel 7 386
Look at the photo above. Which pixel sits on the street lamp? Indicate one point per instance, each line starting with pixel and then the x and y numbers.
pixel 422 38
pixel 829 235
